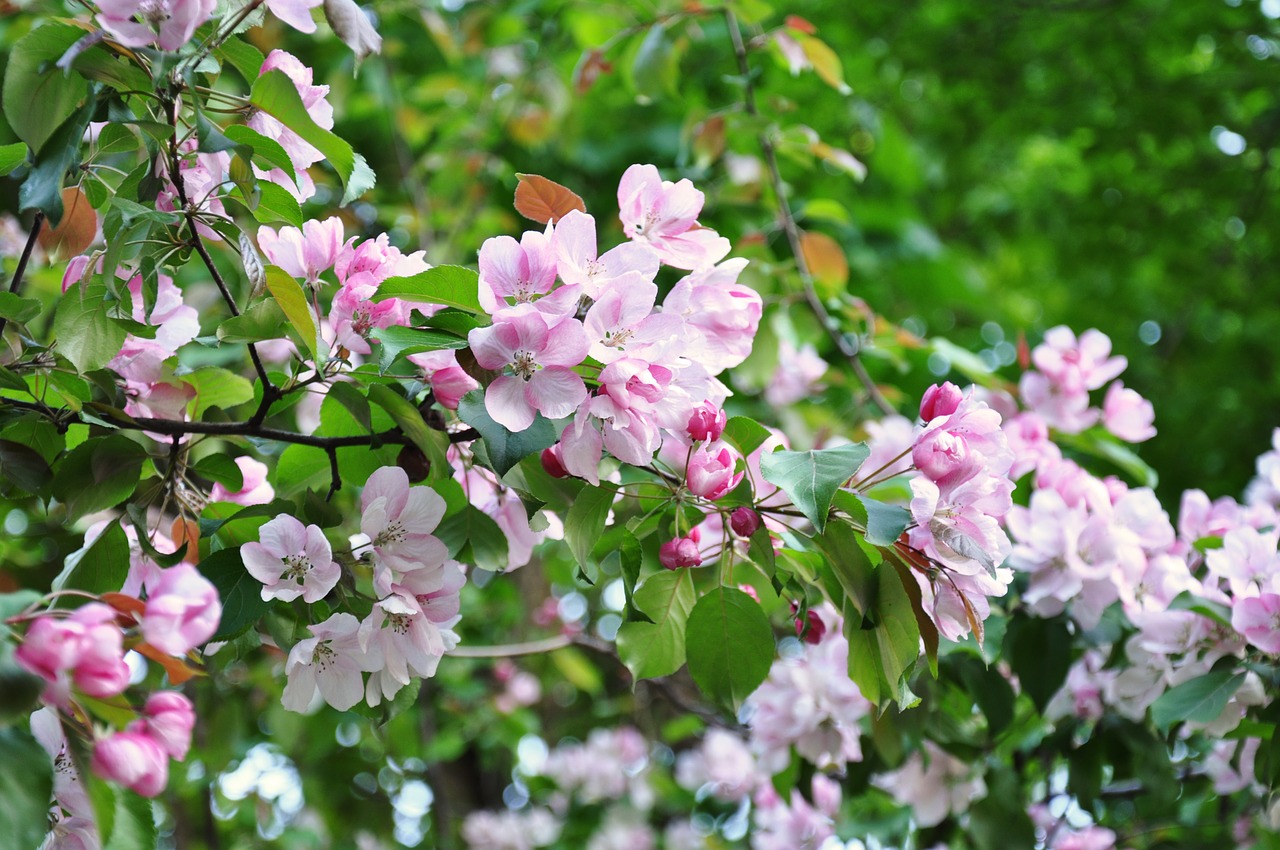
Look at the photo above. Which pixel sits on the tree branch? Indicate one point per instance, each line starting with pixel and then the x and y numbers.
pixel 16 283
pixel 792 231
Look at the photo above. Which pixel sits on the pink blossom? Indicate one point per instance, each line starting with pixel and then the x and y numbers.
pixel 1248 561
pixel 398 520
pixel 302 154
pixel 722 763
pixel 944 457
pixel 541 355
pixel 797 376
pixel 721 315
pixel 254 488
pixel 622 323
pixel 203 176
pixel 449 382
pixel 1127 414
pixel 934 783
pixel 166 23
pixel 169 719
pixel 87 644
pixel 577 262
pixel 519 271
pixel 1258 619
pixel 134 760
pixel 1077 364
pixel 680 552
pixel 710 472
pixel 787 826
pixel 707 422
pixel 1028 436
pixel 330 661
pixel 291 560
pixel 1064 407
pixel 368 263
pixel 175 322
pixel 182 610
pixel 305 253
pixel 354 317
pixel 663 215
pixel 410 628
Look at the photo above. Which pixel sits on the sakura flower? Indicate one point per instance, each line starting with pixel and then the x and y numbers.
pixel 664 215
pixel 166 23
pixel 332 662
pixel 541 355
pixel 577 263
pixel 720 314
pixel 182 610
pixel 169 719
pixel 291 560
pixel 398 520
pixel 305 253
pixel 1077 364
pixel 254 489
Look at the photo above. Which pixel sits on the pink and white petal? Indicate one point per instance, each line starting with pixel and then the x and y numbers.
pixel 494 346
pixel 322 579
pixel 556 391
pixel 567 344
pixel 283 536
pixel 507 403
pixel 391 483
pixel 422 511
pixel 295 13
pixel 261 564
pixel 502 265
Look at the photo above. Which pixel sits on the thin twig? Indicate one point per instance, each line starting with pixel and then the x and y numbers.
pixel 792 230
pixel 16 283
pixel 511 650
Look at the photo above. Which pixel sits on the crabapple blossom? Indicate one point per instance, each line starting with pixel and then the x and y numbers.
pixel 721 315
pixel 621 323
pixel 295 13
pixel 541 351
pixel 810 628
pixel 707 422
pixel 663 215
pixel 410 628
pixel 169 719
pixel 795 823
pixel 1084 363
pixel 301 153
pixel 449 383
pixel 85 648
pixel 291 560
pixel 1127 414
pixel 722 764
pixel 305 253
pixel 744 521
pixel 1258 619
pixel 520 271
pixel 168 24
pixel 940 400
pixel 934 783
pixel 182 610
pixel 69 792
pixel 797 375
pixel 332 662
pixel 399 519
pixel 710 472
pixel 352 25
pixel 133 759
pixel 579 264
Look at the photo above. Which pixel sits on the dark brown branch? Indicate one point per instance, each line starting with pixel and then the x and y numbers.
pixel 792 231
pixel 16 283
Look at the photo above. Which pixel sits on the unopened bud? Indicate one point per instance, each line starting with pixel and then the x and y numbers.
pixel 744 522
pixel 940 400
pixel 810 627
pixel 707 422
pixel 679 552
pixel 352 25
pixel 552 462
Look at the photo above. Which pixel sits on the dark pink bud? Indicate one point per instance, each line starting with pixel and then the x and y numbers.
pixel 707 422
pixel 744 522
pixel 134 760
pixel 679 552
pixel 944 457
pixel 810 628
pixel 552 463
pixel 169 721
pixel 940 400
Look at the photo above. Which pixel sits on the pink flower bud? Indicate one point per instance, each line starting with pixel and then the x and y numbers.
pixel 182 611
pixel 170 719
pixel 711 475
pixel 134 760
pixel 50 647
pixel 744 522
pixel 450 384
pixel 750 591
pixel 707 422
pixel 940 400
pixel 810 628
pixel 553 463
pixel 679 552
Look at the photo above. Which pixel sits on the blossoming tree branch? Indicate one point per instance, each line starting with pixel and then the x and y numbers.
pixel 291 445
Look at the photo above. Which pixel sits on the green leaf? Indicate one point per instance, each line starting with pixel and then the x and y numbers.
pixel 656 68
pixel 26 787
pixel 452 286
pixel 811 478
pixel 217 387
pixel 473 527
pixel 357 405
pixel 268 150
pixel 222 469
pixel 101 567
pixel 98 474
pixel 584 524
pixel 15 308
pixel 242 56
pixel 134 824
pixel 23 466
pixel 42 189
pixel 884 523
pixel 745 434
pixel 729 644
pixel 505 449
pixel 272 204
pixel 241 593
pixel 39 96
pixel 263 320
pixel 275 94
pixel 658 648
pixel 12 156
pixel 1039 651
pixel 82 326
pixel 396 341
pixel 897 635
pixel 293 303
pixel 432 443
pixel 1199 700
